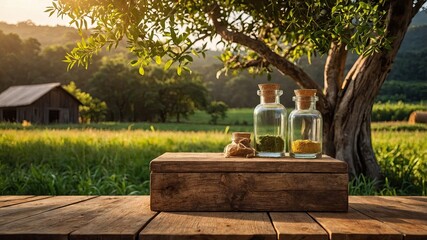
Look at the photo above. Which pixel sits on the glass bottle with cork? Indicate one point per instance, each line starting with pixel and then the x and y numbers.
pixel 270 122
pixel 305 126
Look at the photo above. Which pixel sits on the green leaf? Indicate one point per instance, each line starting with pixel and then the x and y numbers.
pixel 194 52
pixel 187 69
pixel 179 70
pixel 141 70
pixel 188 58
pixel 134 62
pixel 173 36
pixel 158 59
pixel 168 64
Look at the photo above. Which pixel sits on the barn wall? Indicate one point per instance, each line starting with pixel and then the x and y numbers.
pixel 57 100
pixel 24 113
pixel 56 106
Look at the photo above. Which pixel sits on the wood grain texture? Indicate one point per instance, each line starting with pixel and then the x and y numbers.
pixel 404 202
pixel 5 198
pixel 215 162
pixel 415 198
pixel 354 225
pixel 214 225
pixel 19 200
pixel 122 221
pixel 28 209
pixel 248 192
pixel 402 214
pixel 58 223
pixel 297 226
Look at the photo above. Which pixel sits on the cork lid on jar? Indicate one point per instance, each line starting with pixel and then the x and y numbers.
pixel 269 86
pixel 305 92
pixel 304 97
pixel 268 91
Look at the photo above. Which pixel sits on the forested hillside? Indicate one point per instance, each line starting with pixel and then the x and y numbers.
pixel 45 35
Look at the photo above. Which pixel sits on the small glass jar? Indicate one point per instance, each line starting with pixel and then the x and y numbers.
pixel 305 126
pixel 270 122
pixel 240 146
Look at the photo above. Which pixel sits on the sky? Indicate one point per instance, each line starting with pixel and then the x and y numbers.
pixel 14 11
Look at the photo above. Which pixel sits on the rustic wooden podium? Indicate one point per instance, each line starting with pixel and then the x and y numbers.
pixel 210 182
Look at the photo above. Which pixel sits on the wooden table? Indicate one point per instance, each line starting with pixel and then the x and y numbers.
pixel 129 217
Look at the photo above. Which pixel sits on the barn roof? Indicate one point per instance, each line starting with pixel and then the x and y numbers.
pixel 24 95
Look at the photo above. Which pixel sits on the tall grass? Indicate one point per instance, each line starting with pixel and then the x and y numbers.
pixel 403 160
pixel 91 161
pixel 399 111
pixel 116 162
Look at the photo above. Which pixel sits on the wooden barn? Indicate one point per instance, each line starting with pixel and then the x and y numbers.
pixel 40 103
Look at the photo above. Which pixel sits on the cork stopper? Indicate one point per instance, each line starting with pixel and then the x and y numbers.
pixel 305 92
pixel 304 96
pixel 236 136
pixel 268 91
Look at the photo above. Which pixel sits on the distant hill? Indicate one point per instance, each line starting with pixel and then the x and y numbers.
pixel 420 19
pixel 46 35
pixel 415 39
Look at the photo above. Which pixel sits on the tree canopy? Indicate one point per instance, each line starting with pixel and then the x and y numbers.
pixel 158 95
pixel 92 109
pixel 176 30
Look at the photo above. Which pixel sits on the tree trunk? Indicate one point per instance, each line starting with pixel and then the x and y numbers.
pixel 177 117
pixel 351 131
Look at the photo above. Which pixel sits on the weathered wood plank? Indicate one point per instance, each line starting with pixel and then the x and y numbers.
pixel 20 200
pixel 252 181
pixel 204 225
pixel 122 221
pixel 5 198
pixel 20 211
pixel 215 162
pixel 405 202
pixel 297 226
pixel 248 192
pixel 415 198
pixel 354 225
pixel 58 223
pixel 402 214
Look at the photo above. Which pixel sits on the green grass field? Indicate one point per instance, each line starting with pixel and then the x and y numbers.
pixel 112 158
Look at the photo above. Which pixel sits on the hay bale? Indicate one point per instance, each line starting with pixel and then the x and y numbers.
pixel 418 117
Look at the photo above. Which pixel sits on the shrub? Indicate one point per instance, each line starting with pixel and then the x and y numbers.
pixel 395 111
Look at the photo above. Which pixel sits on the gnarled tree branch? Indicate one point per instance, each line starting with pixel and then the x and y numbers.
pixel 281 63
pixel 238 64
pixel 417 6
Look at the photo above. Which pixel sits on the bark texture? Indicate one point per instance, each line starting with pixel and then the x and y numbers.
pixel 346 102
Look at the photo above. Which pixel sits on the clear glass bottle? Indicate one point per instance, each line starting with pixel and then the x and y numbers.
pixel 270 122
pixel 305 126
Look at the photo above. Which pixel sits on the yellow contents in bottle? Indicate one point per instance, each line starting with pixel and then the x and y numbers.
pixel 305 146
